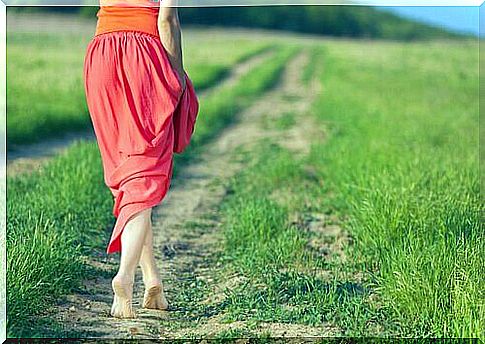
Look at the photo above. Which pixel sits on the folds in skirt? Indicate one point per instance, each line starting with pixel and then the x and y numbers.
pixel 141 115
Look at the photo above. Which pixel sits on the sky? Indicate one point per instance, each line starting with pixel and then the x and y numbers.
pixel 461 19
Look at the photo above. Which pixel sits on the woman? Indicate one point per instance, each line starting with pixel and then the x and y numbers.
pixel 143 108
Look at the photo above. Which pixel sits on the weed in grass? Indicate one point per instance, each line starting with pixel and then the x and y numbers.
pixel 286 121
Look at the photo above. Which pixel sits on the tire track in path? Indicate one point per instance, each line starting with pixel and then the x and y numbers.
pixel 187 231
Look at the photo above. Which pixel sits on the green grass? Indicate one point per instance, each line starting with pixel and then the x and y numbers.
pixel 315 63
pixel 285 279
pixel 219 109
pixel 400 171
pixel 45 94
pixel 402 163
pixel 208 64
pixel 63 212
pixel 54 217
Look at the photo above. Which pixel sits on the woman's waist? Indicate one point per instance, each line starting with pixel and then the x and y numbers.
pixel 142 19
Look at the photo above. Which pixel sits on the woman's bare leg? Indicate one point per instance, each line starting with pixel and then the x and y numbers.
pixel 132 240
pixel 154 297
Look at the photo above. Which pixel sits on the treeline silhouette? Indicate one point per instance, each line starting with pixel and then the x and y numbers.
pixel 342 21
pixel 350 21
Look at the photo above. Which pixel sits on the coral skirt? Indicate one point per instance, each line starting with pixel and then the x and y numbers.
pixel 141 115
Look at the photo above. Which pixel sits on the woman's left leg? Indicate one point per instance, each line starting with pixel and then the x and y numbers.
pixel 132 240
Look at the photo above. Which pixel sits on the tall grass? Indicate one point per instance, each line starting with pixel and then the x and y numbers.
pixel 402 163
pixel 53 218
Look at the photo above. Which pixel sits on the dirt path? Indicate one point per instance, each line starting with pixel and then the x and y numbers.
pixel 28 158
pixel 187 232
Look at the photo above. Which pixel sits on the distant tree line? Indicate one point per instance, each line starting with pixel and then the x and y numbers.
pixel 347 21
pixel 353 21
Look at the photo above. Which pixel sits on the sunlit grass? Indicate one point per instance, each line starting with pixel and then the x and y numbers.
pixel 400 169
pixel 402 163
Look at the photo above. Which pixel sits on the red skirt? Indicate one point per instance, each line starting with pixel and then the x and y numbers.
pixel 141 116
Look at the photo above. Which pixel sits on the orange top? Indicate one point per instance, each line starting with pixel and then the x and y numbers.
pixel 135 15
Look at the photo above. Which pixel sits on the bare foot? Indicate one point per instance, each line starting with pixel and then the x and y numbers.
pixel 154 297
pixel 123 295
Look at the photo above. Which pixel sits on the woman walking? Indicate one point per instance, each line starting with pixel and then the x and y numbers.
pixel 143 108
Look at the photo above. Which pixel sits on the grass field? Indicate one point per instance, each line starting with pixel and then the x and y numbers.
pixel 398 171
pixel 374 232
pixel 403 165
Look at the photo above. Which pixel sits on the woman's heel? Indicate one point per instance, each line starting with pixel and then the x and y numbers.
pixel 154 298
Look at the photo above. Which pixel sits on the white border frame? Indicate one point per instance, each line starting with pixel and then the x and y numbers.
pixel 3 170
pixel 182 3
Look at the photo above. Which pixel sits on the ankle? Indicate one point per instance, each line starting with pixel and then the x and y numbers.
pixel 124 278
pixel 150 275
pixel 152 281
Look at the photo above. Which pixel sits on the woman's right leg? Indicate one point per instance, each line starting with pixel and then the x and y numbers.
pixel 154 297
